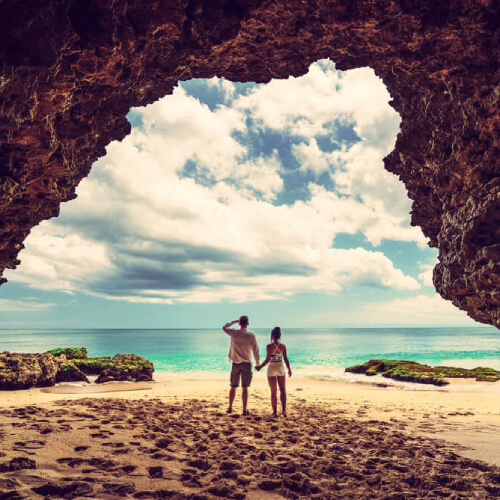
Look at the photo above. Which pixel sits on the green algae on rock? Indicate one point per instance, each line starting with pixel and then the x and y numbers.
pixel 69 372
pixel 129 367
pixel 411 371
pixel 70 352
pixel 92 366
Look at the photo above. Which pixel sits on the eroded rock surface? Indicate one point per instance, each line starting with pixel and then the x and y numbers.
pixel 71 71
pixel 68 371
pixel 22 371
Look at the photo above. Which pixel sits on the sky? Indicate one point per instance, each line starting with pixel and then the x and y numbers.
pixel 238 198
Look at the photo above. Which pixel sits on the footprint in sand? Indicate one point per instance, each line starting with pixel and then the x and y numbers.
pixel 128 469
pixel 102 435
pixel 114 444
pixel 65 489
pixel 81 448
pixel 155 472
pixel 118 489
pixel 30 445
pixel 17 463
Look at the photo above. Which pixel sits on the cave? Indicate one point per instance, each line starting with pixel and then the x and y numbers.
pixel 72 70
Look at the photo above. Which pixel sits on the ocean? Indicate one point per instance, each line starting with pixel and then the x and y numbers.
pixel 311 350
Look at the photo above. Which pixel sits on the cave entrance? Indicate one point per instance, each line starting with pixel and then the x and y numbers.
pixel 242 192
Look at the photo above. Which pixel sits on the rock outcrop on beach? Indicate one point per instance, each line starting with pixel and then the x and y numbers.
pixel 127 367
pixel 22 371
pixel 70 71
pixel 411 371
pixel 68 371
pixel 75 365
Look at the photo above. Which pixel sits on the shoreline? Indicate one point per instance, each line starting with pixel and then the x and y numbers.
pixel 184 382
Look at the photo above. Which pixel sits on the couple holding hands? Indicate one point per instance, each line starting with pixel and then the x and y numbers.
pixel 243 345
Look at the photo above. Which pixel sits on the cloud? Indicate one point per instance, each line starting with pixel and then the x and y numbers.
pixel 426 275
pixel 306 105
pixel 182 210
pixel 326 99
pixel 31 305
pixel 413 311
pixel 418 310
pixel 222 85
pixel 311 157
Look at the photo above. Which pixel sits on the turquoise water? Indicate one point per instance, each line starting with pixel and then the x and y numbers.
pixel 195 350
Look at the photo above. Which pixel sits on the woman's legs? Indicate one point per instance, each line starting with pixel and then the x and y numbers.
pixel 282 386
pixel 274 399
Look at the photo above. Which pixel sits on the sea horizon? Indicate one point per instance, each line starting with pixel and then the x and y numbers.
pixel 314 350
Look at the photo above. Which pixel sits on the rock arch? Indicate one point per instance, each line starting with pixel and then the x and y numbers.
pixel 71 70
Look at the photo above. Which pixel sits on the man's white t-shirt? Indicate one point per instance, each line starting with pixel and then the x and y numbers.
pixel 243 345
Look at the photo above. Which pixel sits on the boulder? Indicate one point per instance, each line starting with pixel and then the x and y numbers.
pixel 22 370
pixel 69 372
pixel 129 367
pixel 74 366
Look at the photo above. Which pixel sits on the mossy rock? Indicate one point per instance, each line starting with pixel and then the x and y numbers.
pixel 70 352
pixel 92 366
pixel 129 367
pixel 411 371
pixel 374 366
pixel 356 369
pixel 487 378
pixel 69 372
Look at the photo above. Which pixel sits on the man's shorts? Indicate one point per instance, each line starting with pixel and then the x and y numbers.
pixel 243 370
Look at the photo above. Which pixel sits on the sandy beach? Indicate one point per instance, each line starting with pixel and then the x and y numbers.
pixel 173 439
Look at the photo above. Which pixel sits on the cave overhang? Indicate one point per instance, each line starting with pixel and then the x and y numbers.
pixel 72 70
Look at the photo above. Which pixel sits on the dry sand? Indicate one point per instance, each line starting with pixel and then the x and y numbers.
pixel 173 439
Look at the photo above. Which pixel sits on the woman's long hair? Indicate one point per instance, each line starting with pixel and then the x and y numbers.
pixel 276 333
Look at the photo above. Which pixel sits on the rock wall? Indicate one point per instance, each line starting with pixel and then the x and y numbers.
pixel 70 71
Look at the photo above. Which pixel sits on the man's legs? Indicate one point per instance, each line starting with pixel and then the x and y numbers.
pixel 232 393
pixel 235 382
pixel 244 398
pixel 246 380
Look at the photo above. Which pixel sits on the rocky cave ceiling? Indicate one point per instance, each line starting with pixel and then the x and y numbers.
pixel 71 70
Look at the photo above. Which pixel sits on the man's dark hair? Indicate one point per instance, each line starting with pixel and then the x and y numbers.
pixel 244 320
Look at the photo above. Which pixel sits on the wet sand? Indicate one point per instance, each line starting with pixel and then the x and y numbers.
pixel 173 439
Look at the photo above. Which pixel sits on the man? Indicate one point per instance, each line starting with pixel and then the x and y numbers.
pixel 243 345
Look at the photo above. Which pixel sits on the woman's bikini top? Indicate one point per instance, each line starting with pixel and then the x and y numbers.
pixel 276 357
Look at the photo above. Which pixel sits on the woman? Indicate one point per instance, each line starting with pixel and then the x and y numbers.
pixel 275 354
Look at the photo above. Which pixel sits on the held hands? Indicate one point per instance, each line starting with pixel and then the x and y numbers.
pixel 258 367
